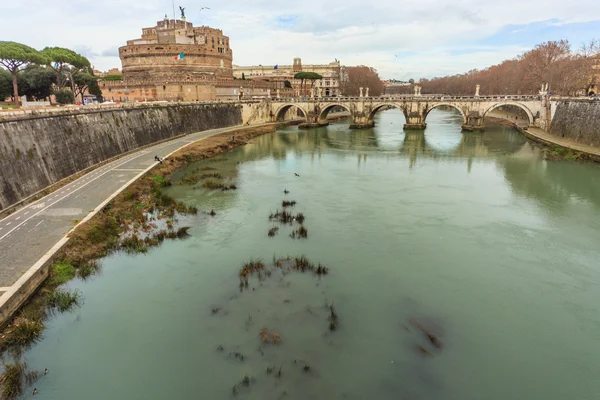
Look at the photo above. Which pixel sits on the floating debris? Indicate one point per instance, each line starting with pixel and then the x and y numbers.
pixel 244 383
pixel 433 339
pixel 333 319
pixel 266 337
pixel 237 355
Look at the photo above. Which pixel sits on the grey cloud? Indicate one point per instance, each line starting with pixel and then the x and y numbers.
pixel 111 52
pixel 354 31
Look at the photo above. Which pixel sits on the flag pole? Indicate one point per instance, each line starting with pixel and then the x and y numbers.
pixel 174 17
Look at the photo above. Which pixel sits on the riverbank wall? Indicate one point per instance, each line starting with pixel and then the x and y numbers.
pixel 577 120
pixel 40 150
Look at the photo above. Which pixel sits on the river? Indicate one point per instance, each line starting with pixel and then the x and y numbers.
pixel 473 237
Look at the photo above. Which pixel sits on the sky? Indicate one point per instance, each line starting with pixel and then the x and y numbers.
pixel 401 39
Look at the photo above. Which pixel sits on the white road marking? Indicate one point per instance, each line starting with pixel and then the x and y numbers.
pixel 44 209
pixel 8 223
pixel 27 212
pixel 38 224
pixel 18 218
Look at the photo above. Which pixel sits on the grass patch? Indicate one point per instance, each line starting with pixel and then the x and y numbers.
pixel 214 185
pixel 23 333
pixel 88 269
pixel 61 272
pixel 301 233
pixel 14 377
pixel 64 300
pixel 161 181
pixel 134 245
pixel 285 217
pixel 252 266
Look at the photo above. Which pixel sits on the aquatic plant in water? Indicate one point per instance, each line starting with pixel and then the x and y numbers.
pixel 63 300
pixel 14 377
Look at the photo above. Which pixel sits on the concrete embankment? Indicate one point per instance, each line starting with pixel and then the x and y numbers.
pixel 39 151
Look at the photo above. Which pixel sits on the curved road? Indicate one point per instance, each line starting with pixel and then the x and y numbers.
pixel 31 232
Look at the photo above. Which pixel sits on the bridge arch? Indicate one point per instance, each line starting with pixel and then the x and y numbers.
pixel 325 111
pixel 429 109
pixel 282 110
pixel 512 103
pixel 382 106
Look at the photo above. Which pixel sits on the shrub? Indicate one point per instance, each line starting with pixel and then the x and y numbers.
pixel 64 96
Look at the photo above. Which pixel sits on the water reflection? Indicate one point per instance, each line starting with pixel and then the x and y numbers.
pixel 442 139
pixel 552 184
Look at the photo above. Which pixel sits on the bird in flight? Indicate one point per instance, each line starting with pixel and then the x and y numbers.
pixel 205 8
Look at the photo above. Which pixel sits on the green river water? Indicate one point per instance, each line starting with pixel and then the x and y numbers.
pixel 473 236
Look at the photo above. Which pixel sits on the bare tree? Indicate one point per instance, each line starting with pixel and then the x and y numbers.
pixel 353 78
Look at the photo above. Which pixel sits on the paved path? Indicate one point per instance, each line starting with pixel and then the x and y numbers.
pixel 29 233
pixel 570 144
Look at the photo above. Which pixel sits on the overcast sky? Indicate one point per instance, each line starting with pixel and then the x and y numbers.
pixel 402 39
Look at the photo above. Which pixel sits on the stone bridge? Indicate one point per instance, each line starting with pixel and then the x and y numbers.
pixel 416 108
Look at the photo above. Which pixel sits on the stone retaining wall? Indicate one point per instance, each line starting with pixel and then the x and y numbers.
pixel 38 151
pixel 577 120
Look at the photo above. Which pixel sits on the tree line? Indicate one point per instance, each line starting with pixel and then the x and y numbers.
pixel 38 74
pixel 567 71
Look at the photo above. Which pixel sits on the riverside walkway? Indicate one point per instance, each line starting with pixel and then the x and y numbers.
pixel 547 138
pixel 37 230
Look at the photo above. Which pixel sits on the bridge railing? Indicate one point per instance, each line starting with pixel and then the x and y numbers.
pixel 396 98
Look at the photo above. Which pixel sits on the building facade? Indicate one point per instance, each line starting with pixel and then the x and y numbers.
pixel 278 74
pixel 175 61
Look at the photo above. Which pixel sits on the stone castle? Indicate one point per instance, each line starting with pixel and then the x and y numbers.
pixel 175 61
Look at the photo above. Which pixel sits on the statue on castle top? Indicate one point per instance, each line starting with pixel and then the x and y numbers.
pixel 182 12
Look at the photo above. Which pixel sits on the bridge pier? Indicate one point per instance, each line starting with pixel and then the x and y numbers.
pixel 311 125
pixel 474 122
pixel 362 126
pixel 415 122
pixel 312 119
pixel 360 119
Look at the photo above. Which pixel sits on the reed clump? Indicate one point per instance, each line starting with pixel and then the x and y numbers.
pixel 14 378
pixel 64 300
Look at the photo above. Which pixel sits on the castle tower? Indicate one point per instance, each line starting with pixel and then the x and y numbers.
pixel 297 64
